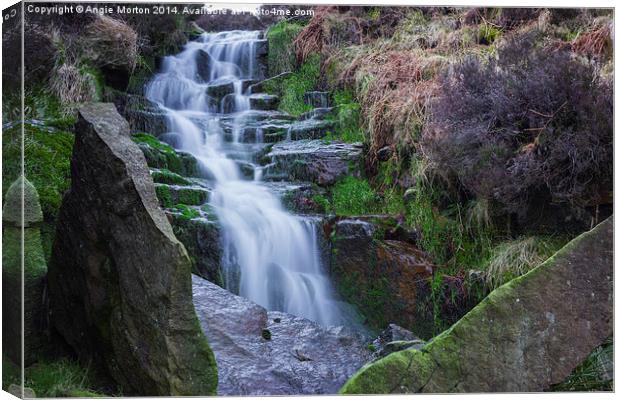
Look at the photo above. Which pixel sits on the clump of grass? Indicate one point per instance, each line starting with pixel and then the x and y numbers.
pixel 347 118
pixel 73 85
pixel 111 42
pixel 354 196
pixel 58 379
pixel 281 57
pixel 301 81
pixel 516 257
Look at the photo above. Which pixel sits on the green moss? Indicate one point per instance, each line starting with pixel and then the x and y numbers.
pixel 292 89
pixel 346 117
pixel 281 57
pixel 153 142
pixel 169 177
pixel 164 195
pixel 187 212
pixel 47 161
pixel 322 203
pixel 97 77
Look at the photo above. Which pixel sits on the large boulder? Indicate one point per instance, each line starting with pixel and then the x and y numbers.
pixel 119 280
pixel 524 337
pixel 388 280
pixel 32 277
pixel 268 353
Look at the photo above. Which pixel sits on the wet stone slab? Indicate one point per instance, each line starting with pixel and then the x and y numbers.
pixel 262 352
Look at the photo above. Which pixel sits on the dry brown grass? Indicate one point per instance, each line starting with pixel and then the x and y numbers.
pixel 310 39
pixel 71 85
pixel 595 43
pixel 394 88
pixel 111 42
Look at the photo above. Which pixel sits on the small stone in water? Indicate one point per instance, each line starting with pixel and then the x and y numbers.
pixel 277 320
pixel 266 334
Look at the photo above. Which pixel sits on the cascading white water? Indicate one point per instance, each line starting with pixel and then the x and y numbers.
pixel 270 256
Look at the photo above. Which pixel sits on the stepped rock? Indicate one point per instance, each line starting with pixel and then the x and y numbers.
pixel 314 160
pixel 119 280
pixel 273 353
pixel 524 337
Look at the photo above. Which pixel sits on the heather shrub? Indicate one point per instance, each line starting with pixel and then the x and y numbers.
pixel 532 127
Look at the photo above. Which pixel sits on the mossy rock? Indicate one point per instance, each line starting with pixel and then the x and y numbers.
pixel 168 177
pixel 170 195
pixel 524 337
pixel 163 156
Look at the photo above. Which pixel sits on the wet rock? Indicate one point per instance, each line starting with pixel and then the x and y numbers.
pixel 201 238
pixel 203 65
pixel 262 47
pixel 395 338
pixel 317 99
pixel 385 153
pixel 317 113
pixel 168 177
pixel 298 357
pixel 314 161
pixel 33 279
pixel 119 281
pixel 170 195
pixel 263 102
pixel 142 114
pixel 310 129
pixel 161 156
pixel 218 90
pixel 388 280
pixel 516 339
pixel 303 199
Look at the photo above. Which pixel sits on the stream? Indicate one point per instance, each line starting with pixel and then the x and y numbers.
pixel 270 256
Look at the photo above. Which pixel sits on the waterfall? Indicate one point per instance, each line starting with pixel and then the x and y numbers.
pixel 269 255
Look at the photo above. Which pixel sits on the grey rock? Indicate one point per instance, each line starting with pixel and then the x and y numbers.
pixel 316 113
pixel 263 102
pixel 203 65
pixel 310 129
pixel 201 238
pixel 300 357
pixel 314 161
pixel 218 90
pixel 119 280
pixel 317 99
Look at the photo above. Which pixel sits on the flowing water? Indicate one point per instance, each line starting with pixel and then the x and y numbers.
pixel 269 255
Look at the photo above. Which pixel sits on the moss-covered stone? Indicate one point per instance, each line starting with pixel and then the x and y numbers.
pixel 163 156
pixel 525 336
pixel 34 271
pixel 170 195
pixel 168 177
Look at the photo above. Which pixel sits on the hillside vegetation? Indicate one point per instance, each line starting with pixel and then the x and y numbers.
pixel 488 131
